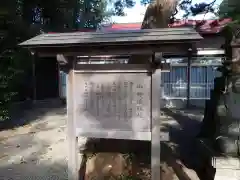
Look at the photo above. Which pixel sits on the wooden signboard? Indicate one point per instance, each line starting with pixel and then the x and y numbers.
pixel 113 105
pixel 110 101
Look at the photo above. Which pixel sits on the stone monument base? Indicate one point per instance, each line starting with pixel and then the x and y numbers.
pixel 226 168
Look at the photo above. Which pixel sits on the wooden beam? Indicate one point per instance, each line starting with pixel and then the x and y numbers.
pixel 62 60
pixel 65 62
pixel 34 79
pixel 130 49
pixel 112 67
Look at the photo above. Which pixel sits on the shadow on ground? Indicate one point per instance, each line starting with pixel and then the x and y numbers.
pixel 140 151
pixel 26 112
pixel 37 153
pixel 53 171
pixel 184 136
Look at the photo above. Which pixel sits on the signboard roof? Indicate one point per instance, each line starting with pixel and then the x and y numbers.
pixel 149 36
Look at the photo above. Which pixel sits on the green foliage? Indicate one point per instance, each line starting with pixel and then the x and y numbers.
pixel 23 19
pixel 119 6
pixel 189 8
pixel 92 13
pixel 230 8
pixel 10 74
pixel 195 9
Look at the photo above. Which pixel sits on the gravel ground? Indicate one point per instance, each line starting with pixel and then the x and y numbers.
pixel 35 151
pixel 39 150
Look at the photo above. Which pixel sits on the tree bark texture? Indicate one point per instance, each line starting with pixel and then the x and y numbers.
pixel 157 15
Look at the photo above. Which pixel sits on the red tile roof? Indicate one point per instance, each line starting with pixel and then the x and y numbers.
pixel 205 26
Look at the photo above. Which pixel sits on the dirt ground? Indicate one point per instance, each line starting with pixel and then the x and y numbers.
pixel 111 157
pixel 38 150
pixel 126 158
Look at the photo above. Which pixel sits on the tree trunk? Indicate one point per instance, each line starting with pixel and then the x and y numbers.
pixel 223 126
pixel 157 15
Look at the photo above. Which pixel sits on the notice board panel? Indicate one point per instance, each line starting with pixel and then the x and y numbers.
pixel 116 105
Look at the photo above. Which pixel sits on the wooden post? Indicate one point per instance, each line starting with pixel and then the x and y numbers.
pixel 34 90
pixel 71 128
pixel 59 81
pixel 155 133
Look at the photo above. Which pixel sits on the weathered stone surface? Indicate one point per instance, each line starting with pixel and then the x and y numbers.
pixel 113 105
pixel 226 163
pixel 229 174
pixel 105 165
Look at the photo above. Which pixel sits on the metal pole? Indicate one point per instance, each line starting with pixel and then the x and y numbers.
pixel 206 81
pixel 189 76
